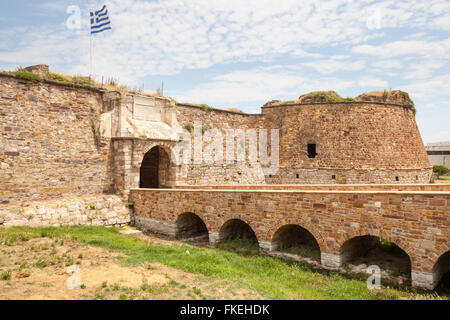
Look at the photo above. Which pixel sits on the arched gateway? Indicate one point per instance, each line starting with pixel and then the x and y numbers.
pixel 155 169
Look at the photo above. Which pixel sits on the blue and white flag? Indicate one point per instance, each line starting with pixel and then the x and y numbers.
pixel 100 21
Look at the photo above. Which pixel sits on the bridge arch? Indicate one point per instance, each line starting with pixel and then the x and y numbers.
pixel 237 229
pixel 441 268
pixel 375 250
pixel 296 239
pixel 301 223
pixel 189 224
pixel 397 240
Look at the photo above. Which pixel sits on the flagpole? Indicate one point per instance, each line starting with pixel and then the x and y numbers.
pixel 90 33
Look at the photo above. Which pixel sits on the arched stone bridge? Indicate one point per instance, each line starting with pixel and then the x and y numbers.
pixel 417 221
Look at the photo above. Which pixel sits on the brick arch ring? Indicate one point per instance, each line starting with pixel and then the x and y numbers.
pixel 439 254
pixel 402 244
pixel 168 147
pixel 230 217
pixel 198 214
pixel 303 224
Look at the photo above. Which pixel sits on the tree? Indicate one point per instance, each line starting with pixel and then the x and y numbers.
pixel 441 170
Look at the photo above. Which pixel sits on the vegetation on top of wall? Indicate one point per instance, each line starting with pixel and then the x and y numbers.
pixel 206 106
pixel 83 81
pixel 413 107
pixel 58 77
pixel 318 97
pixel 288 102
pixel 325 96
pixel 234 110
pixel 110 84
pixel 22 74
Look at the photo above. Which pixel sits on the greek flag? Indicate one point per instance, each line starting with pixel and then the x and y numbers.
pixel 100 21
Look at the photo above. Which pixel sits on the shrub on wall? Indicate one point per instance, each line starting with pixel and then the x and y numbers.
pixel 58 77
pixel 27 75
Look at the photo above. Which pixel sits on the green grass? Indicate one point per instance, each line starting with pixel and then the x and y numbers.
pixel 6 275
pixel 273 278
pixel 324 96
pixel 206 107
pixel 58 77
pixel 27 75
pixel 83 81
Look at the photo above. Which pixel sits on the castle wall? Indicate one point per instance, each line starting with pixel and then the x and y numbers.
pixel 62 141
pixel 50 147
pixel 363 142
pixel 219 173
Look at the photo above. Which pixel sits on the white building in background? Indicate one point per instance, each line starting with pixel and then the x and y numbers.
pixel 439 153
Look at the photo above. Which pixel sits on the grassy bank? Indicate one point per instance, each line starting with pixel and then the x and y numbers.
pixel 271 277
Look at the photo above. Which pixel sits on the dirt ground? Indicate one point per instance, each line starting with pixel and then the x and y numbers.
pixel 37 269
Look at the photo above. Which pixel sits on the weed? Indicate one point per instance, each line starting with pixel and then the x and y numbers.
pixel 25 75
pixel 58 77
pixel 6 275
pixel 189 127
pixel 206 107
pixel 197 291
pixel 41 263
pixel 205 128
pixel 83 81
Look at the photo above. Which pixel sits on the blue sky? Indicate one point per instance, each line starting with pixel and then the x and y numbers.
pixel 237 53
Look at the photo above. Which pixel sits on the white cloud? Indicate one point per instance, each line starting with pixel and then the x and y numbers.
pixel 252 86
pixel 429 88
pixel 408 47
pixel 335 64
pixel 442 22
pixel 374 83
pixel 165 37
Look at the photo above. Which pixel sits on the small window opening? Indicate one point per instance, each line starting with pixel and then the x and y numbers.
pixel 417 178
pixel 270 176
pixel 397 179
pixel 297 176
pixel 312 150
pixel 333 177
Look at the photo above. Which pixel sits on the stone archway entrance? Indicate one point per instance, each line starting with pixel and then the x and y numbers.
pixel 154 171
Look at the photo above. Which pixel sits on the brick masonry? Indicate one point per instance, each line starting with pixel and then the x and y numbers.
pixel 418 222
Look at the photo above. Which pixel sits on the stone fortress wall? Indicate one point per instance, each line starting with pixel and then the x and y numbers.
pixel 356 142
pixel 55 167
pixel 66 141
pixel 71 155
